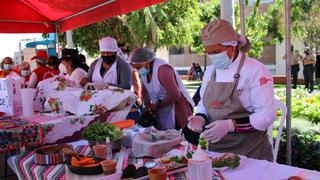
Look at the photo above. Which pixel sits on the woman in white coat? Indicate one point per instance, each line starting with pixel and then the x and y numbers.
pixel 237 96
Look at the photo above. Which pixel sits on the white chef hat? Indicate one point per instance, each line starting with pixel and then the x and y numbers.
pixel 109 44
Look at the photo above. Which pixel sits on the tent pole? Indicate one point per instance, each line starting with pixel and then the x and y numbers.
pixel 87 10
pixel 242 18
pixel 57 40
pixel 288 78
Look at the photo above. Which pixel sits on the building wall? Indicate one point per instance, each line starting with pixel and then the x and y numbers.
pixel 28 53
pixel 281 63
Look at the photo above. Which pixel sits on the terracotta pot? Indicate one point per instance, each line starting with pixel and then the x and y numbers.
pixel 109 166
pixel 159 173
pixel 99 151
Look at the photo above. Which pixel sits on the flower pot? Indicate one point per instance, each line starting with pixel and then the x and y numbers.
pixel 109 166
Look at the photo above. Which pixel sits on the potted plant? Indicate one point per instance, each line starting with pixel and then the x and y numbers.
pixel 97 132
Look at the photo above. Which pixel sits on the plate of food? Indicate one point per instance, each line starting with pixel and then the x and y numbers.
pixel 173 163
pixel 226 161
pixel 85 165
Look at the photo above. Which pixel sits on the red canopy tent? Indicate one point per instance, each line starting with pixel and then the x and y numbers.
pixel 44 16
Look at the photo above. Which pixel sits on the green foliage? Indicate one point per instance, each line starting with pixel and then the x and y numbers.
pixel 98 131
pixel 305 150
pixel 256 30
pixel 210 11
pixel 305 21
pixel 164 25
pixel 303 105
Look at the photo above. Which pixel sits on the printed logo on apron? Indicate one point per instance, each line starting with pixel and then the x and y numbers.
pixel 217 104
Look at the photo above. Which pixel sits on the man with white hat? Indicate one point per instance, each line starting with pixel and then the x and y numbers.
pixel 110 68
pixel 237 96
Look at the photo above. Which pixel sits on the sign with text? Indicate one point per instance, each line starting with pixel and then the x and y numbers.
pixel 10 96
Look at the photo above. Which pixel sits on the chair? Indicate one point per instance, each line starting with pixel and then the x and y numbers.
pixel 275 147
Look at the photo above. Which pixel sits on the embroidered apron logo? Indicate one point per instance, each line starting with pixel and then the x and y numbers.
pixel 264 81
pixel 239 91
pixel 217 104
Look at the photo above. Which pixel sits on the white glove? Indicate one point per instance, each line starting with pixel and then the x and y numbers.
pixel 196 123
pixel 217 130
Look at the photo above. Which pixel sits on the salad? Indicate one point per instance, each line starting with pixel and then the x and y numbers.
pixel 226 160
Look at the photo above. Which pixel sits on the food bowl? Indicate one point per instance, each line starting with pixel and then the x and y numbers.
pixel 96 169
pixel 109 166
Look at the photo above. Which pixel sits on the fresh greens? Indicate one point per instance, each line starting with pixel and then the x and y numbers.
pixel 228 159
pixel 189 154
pixel 203 143
pixel 98 131
pixel 179 159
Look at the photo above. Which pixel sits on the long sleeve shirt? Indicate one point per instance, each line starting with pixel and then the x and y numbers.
pixel 255 91
pixel 167 79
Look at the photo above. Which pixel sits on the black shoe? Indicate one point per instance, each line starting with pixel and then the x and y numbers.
pixel 310 92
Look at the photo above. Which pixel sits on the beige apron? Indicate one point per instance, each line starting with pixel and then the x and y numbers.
pixel 222 102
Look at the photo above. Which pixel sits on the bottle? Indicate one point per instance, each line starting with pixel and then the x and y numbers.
pixel 200 166
pixel 108 149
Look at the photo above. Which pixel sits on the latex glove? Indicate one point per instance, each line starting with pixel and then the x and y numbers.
pixel 196 123
pixel 217 130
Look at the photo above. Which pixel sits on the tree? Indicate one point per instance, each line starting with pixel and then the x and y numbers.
pixel 305 21
pixel 163 25
pixel 210 11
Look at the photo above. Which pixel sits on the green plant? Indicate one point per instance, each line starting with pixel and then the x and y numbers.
pixel 303 105
pixel 98 131
pixel 305 150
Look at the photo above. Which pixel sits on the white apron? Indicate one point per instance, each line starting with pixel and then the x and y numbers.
pixel 110 77
pixel 156 91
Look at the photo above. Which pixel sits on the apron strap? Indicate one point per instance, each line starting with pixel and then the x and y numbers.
pixel 237 74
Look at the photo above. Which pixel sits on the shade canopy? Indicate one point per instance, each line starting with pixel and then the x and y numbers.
pixel 43 16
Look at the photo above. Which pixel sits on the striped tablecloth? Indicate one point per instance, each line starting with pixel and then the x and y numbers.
pixel 27 169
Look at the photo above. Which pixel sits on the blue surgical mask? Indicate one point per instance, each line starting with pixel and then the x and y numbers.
pixel 7 66
pixel 143 71
pixel 221 60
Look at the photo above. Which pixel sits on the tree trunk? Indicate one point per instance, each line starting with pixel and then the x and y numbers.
pixel 132 32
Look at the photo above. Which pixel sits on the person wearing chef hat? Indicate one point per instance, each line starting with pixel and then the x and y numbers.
pixel 237 96
pixel 164 92
pixel 42 71
pixel 111 68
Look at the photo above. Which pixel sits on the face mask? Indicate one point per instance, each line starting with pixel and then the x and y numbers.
pixel 143 71
pixel 7 66
pixel 25 73
pixel 109 59
pixel 221 60
pixel 62 69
